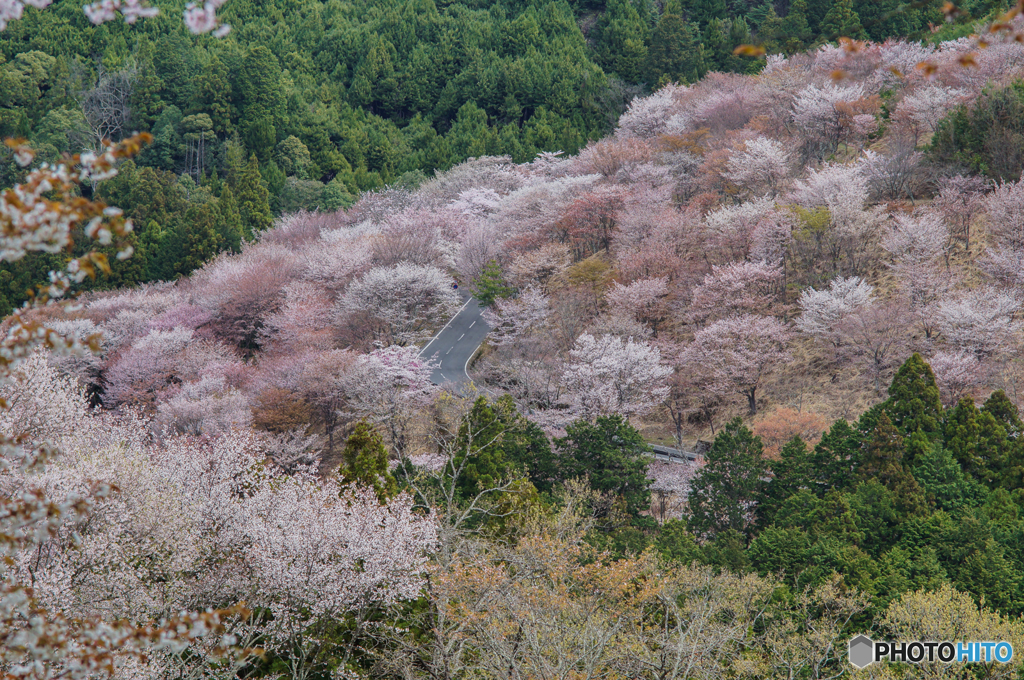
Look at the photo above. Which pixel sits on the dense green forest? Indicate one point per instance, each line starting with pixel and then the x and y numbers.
pixel 910 496
pixel 307 103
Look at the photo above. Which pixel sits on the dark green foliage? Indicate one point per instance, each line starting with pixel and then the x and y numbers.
pixel 731 480
pixel 612 455
pixel 795 26
pixel 199 236
pixel 621 37
pixel 253 199
pixel 790 474
pixel 882 462
pixel 490 284
pixel 987 136
pixel 914 403
pixel 675 54
pixel 944 483
pixel 727 552
pixel 365 462
pixel 676 544
pixel 832 462
pixel 842 21
pixel 229 228
pixel 495 443
pixel 703 12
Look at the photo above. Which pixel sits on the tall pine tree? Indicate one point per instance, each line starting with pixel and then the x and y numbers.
pixel 253 199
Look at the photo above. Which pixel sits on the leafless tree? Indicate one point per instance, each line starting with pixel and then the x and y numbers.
pixel 107 104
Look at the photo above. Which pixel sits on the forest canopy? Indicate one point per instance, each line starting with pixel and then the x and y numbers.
pixel 332 99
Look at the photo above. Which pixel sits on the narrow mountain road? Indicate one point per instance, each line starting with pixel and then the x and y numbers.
pixel 456 344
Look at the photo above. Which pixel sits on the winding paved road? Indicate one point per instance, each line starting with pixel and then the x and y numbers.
pixel 456 344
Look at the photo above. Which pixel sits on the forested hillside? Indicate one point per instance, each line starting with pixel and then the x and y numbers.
pixel 813 264
pixel 333 99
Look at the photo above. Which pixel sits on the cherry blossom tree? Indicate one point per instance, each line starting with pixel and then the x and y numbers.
pixel 737 288
pixel 823 310
pixel 205 407
pixel 956 373
pixel 825 115
pixel 1005 208
pixel 981 321
pixel 387 387
pixel 607 375
pixel 302 323
pixel 731 229
pixel 919 111
pixel 411 236
pixel 242 291
pixel 647 117
pixel 892 175
pixel 761 167
pixel 335 258
pixel 402 301
pixel 876 334
pixel 143 372
pixel 843 190
pixel 642 300
pixel 323 382
pixel 671 485
pixel 512 318
pixel 736 353
pixel 959 200
pixel 916 242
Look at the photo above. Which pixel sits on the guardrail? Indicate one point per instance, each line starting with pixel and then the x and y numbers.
pixel 674 455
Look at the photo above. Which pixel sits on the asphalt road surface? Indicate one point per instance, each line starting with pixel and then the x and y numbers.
pixel 456 344
pixel 458 341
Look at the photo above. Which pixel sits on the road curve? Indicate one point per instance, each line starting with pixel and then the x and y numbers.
pixel 456 343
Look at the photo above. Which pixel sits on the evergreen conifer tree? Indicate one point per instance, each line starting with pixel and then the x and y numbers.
pixel 841 21
pixel 200 240
pixel 490 284
pixel 731 480
pixel 612 454
pixel 479 449
pixel 914 402
pixel 834 458
pixel 229 226
pixel 790 473
pixel 795 27
pixel 622 40
pixel 672 56
pixel 365 462
pixel 702 12
pixel 253 199
pixel 882 462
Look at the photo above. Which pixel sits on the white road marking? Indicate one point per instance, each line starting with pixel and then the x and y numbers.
pixel 445 326
pixel 462 336
pixel 472 324
pixel 449 350
pixel 442 376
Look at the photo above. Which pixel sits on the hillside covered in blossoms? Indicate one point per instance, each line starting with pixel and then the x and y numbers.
pixel 809 273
